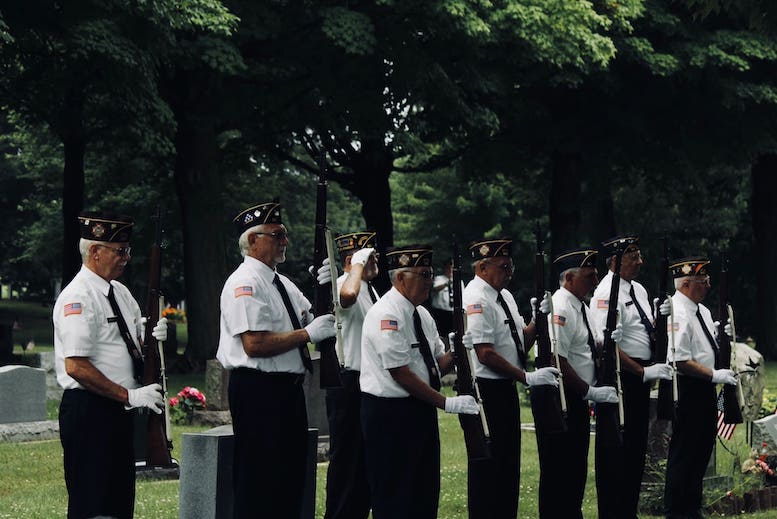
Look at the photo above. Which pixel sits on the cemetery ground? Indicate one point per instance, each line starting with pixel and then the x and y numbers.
pixel 32 484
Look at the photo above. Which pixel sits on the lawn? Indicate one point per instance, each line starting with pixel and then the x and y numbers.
pixel 32 485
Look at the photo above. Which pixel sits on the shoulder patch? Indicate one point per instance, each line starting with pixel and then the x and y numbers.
pixel 244 291
pixel 477 308
pixel 670 327
pixel 389 324
pixel 559 320
pixel 602 303
pixel 72 309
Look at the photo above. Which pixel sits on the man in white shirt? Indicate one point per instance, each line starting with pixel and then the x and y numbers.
pixel 401 365
pixel 347 490
pixel 619 478
pixel 695 353
pixel 265 328
pixel 97 350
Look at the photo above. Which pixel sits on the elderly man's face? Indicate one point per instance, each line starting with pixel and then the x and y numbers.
pixel 497 272
pixel 631 264
pixel 697 288
pixel 582 282
pixel 269 244
pixel 108 260
pixel 415 283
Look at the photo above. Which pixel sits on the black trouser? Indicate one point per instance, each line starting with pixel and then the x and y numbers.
pixel 402 448
pixel 619 466
pixel 270 424
pixel 564 463
pixel 492 484
pixel 690 448
pixel 96 435
pixel 347 490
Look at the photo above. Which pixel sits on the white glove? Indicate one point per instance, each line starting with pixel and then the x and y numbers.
pixel 324 274
pixel 617 333
pixel 464 404
pixel 724 376
pixel 160 330
pixel 361 256
pixel 466 339
pixel 542 377
pixel 603 395
pixel 665 308
pixel 727 330
pixel 322 327
pixel 149 396
pixel 657 371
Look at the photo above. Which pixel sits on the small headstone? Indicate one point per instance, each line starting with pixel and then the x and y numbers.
pixel 216 386
pixel 23 391
pixel 765 431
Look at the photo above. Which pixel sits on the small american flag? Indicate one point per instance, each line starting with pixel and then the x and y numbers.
pixel 725 430
pixel 602 303
pixel 559 320
pixel 388 324
pixel 244 291
pixel 72 309
pixel 477 308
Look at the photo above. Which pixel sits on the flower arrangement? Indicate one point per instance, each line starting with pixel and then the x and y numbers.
pixel 182 406
pixel 174 315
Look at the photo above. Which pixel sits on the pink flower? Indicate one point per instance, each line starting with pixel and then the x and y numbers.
pixel 173 401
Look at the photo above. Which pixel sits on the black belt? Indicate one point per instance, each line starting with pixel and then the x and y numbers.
pixel 274 376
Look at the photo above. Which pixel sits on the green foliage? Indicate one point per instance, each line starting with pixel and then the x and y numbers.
pixel 353 31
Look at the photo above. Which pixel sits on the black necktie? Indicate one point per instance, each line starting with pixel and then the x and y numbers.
pixel 426 351
pixel 137 356
pixel 303 348
pixel 371 291
pixel 643 318
pixel 708 335
pixel 513 330
pixel 591 341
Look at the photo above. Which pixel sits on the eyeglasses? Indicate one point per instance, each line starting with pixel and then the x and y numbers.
pixel 634 256
pixel 426 274
pixel 509 267
pixel 119 251
pixel 277 235
pixel 703 281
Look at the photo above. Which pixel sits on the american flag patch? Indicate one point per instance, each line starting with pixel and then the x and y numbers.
pixel 671 326
pixel 477 308
pixel 72 309
pixel 602 303
pixel 388 324
pixel 559 320
pixel 244 291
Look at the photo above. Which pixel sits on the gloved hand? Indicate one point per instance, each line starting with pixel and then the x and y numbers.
pixel 724 376
pixel 465 404
pixel 361 256
pixel 160 330
pixel 542 377
pixel 604 395
pixel 617 333
pixel 656 371
pixel 149 396
pixel 665 308
pixel 727 330
pixel 544 306
pixel 466 339
pixel 322 327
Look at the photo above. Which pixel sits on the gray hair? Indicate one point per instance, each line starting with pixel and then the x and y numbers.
pixel 678 282
pixel 563 276
pixel 242 242
pixel 393 273
pixel 83 247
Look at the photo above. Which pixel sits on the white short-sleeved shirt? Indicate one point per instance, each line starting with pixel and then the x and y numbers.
pixel 572 333
pixel 441 299
pixel 389 341
pixel 251 302
pixel 352 319
pixel 690 342
pixel 636 341
pixel 487 322
pixel 85 326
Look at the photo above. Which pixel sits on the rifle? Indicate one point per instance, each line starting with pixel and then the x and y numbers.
pixel 159 442
pixel 548 404
pixel 667 398
pixel 732 412
pixel 476 434
pixel 330 365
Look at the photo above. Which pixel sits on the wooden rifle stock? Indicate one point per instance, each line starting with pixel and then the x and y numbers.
pixel 329 365
pixel 732 413
pixel 666 405
pixel 475 427
pixel 610 415
pixel 158 442
pixel 548 404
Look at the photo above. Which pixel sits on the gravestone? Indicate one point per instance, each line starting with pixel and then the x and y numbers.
pixel 23 391
pixel 206 475
pixel 765 431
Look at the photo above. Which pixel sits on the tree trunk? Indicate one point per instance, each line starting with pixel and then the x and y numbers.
pixel 598 222
pixel 564 203
pixel 74 142
pixel 764 220
pixel 199 186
